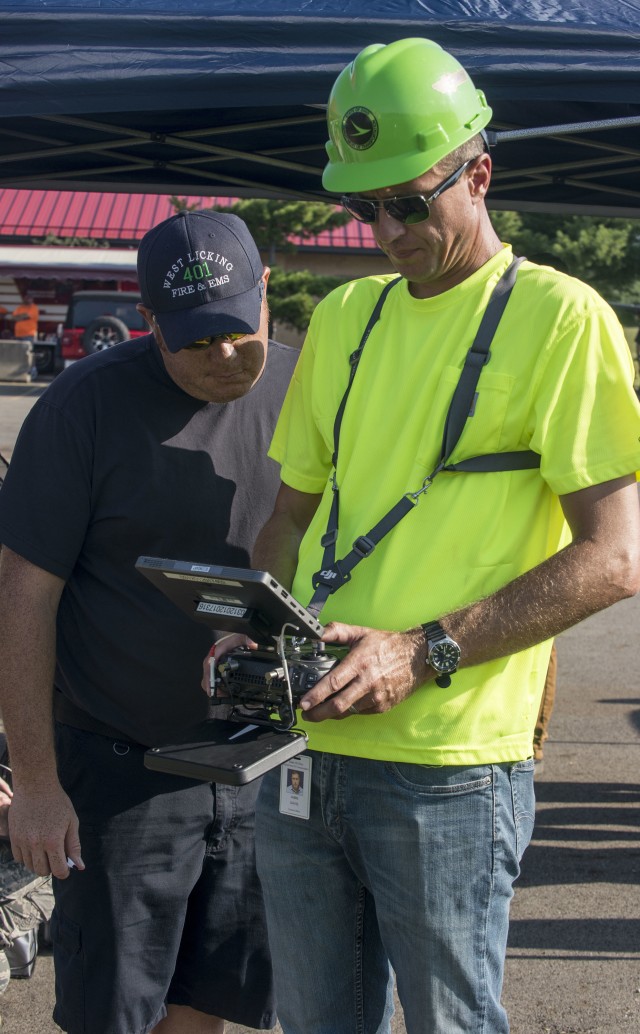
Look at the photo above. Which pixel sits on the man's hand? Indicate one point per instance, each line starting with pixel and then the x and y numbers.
pixel 225 645
pixel 44 831
pixel 380 670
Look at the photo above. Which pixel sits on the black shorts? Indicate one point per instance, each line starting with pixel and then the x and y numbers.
pixel 169 908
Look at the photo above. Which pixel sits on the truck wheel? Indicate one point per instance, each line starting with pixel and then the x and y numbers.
pixel 44 357
pixel 103 333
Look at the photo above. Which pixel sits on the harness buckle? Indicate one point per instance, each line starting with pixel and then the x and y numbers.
pixel 427 483
pixel 363 546
pixel 329 538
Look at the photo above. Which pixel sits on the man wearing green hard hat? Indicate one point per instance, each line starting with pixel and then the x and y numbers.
pixel 455 492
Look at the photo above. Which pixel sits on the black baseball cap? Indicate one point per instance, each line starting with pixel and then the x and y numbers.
pixel 201 274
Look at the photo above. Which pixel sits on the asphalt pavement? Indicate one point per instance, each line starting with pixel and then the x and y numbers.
pixel 573 961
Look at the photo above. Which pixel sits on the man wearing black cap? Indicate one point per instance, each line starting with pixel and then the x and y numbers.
pixel 156 446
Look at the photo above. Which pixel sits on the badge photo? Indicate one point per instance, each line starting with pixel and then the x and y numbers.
pixel 295 787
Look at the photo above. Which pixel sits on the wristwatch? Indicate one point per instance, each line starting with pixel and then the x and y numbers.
pixel 443 653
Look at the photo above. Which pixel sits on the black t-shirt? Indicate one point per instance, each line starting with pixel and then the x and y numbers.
pixel 114 461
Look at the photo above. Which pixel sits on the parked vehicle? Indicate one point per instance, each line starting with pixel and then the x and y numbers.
pixel 97 320
pixel 45 351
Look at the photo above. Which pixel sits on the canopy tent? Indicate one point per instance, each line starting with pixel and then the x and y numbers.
pixel 227 97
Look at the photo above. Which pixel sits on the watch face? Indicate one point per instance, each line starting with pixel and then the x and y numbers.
pixel 445 656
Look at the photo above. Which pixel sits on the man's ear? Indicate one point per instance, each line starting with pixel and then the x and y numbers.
pixel 480 178
pixel 146 314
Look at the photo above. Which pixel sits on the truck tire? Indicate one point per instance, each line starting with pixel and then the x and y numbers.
pixel 103 333
pixel 44 357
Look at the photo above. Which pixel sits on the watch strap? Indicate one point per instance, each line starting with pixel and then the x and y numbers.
pixel 433 630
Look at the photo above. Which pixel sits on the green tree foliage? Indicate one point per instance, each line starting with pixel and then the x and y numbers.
pixel 605 253
pixel 292 295
pixel 274 223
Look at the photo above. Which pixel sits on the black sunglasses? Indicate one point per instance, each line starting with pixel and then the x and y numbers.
pixel 414 208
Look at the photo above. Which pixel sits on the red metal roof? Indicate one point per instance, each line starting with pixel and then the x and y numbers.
pixel 125 218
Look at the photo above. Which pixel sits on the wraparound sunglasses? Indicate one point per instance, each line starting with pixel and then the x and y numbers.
pixel 206 342
pixel 414 208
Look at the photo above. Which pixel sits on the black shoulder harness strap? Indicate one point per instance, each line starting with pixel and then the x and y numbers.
pixel 335 573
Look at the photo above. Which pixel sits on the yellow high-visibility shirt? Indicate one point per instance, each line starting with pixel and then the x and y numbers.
pixel 559 382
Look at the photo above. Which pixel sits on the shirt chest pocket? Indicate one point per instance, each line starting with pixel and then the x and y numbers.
pixel 484 429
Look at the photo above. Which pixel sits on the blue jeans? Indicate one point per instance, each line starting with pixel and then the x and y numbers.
pixel 403 867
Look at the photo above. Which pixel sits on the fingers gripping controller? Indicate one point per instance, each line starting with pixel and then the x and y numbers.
pixel 268 684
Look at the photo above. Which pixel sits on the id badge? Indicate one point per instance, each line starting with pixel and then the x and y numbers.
pixel 295 787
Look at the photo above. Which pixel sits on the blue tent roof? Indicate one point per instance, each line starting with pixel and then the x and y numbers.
pixel 228 97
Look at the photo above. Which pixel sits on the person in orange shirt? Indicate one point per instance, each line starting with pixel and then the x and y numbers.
pixel 25 317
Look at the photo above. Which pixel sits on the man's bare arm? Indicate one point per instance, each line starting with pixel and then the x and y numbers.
pixel 599 567
pixel 42 822
pixel 277 545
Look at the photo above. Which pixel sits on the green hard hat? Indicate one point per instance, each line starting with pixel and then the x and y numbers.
pixel 395 111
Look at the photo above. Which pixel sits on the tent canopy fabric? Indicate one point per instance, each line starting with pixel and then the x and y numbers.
pixel 228 98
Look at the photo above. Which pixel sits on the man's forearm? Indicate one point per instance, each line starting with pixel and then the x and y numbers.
pixel 559 593
pixel 42 822
pixel 276 548
pixel 27 648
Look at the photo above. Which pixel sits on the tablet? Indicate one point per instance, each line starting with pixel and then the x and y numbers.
pixel 221 751
pixel 231 599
